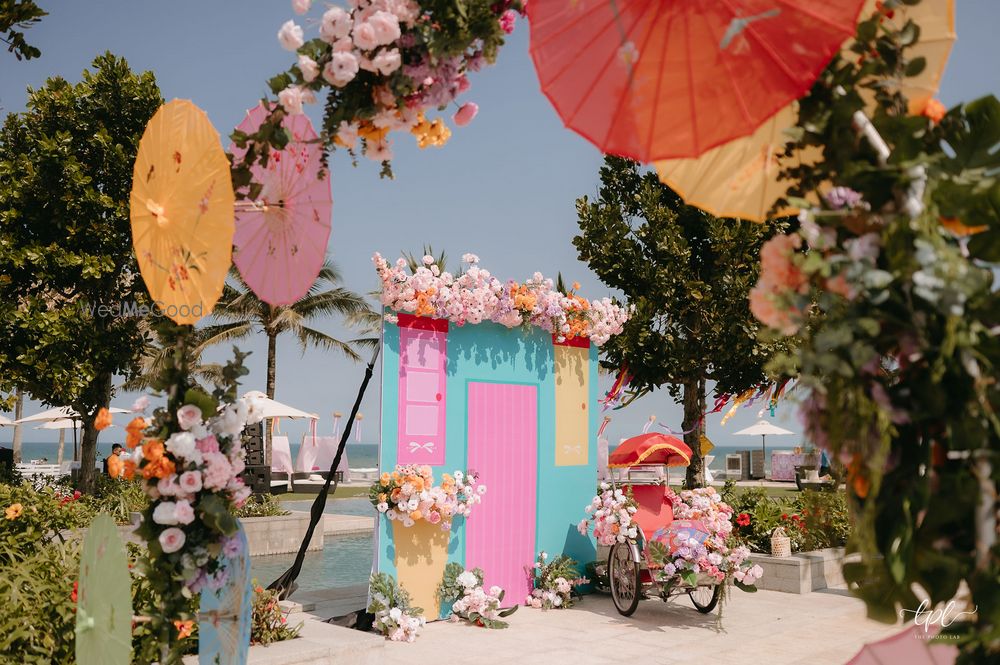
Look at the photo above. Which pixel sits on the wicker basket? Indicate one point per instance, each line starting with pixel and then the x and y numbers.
pixel 781 544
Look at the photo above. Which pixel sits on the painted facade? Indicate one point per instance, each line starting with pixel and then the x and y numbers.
pixel 515 406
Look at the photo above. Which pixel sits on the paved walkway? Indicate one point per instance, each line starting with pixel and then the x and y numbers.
pixel 768 627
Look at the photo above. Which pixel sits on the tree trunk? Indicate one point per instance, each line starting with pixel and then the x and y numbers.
pixel 272 353
pixel 18 414
pixel 88 444
pixel 693 400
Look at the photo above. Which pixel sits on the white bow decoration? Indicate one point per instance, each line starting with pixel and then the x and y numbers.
pixel 569 449
pixel 414 446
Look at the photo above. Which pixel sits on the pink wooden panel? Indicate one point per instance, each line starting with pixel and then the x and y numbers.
pixel 422 380
pixel 503 448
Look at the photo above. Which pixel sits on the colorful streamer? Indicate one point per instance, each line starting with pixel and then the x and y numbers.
pixel 614 396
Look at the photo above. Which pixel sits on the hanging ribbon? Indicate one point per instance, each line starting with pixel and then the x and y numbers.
pixel 673 432
pixel 357 427
pixel 275 426
pixel 736 404
pixel 649 423
pixel 604 426
pixel 337 415
pixel 614 396
pixel 768 403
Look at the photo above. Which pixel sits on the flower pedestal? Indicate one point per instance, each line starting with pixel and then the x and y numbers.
pixel 421 555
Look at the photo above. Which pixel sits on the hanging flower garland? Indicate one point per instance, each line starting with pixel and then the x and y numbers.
pixel 476 296
pixel 385 66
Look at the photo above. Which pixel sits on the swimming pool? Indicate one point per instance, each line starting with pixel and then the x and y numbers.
pixel 343 561
pixel 351 506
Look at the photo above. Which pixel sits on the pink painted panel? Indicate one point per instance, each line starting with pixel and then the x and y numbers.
pixel 422 380
pixel 503 449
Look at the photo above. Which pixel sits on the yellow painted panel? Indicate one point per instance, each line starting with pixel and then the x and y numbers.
pixel 421 555
pixel 572 409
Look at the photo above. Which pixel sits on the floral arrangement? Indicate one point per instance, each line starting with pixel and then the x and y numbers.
pixel 270 622
pixel 470 600
pixel 409 494
pixel 386 66
pixel 553 582
pixel 611 513
pixel 889 288
pixel 475 296
pixel 394 617
pixel 715 556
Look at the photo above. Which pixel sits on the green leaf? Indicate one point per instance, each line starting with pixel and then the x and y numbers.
pixel 916 66
pixel 216 515
pixel 690 577
pixel 749 588
pixel 209 407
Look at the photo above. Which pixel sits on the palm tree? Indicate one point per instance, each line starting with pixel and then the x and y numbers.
pixel 241 313
pixel 158 351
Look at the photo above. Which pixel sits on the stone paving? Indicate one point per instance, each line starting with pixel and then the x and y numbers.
pixel 822 628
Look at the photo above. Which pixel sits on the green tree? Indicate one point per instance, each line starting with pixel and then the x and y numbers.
pixel 688 274
pixel 241 313
pixel 65 240
pixel 15 17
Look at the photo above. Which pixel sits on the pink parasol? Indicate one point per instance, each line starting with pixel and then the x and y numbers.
pixel 281 235
pixel 912 646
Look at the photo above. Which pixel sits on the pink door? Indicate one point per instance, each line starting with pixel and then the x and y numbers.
pixel 422 379
pixel 503 449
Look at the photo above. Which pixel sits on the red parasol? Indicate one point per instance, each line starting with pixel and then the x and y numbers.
pixel 281 236
pixel 653 448
pixel 662 79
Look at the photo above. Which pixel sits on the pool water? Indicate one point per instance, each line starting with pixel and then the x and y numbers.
pixel 351 506
pixel 344 561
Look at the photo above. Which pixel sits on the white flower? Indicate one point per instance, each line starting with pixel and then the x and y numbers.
pixel 290 36
pixel 347 134
pixel 181 444
pixel 341 69
pixel 140 404
pixel 335 24
pixel 301 6
pixel 467 580
pixel 165 513
pixel 188 415
pixel 387 61
pixel 470 258
pixel 382 507
pixel 395 613
pixel 309 68
pixel 291 100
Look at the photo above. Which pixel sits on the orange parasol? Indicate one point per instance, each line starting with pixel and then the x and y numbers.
pixel 182 212
pixel 741 178
pixel 652 448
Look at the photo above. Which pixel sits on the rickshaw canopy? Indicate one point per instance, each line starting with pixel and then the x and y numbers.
pixel 652 448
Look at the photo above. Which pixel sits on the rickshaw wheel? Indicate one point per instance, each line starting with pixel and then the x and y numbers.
pixel 703 600
pixel 623 577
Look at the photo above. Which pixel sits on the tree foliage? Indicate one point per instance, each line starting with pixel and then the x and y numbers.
pixel 15 17
pixel 65 239
pixel 687 274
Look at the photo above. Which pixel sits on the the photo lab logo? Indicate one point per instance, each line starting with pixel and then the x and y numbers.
pixel 133 309
pixel 940 618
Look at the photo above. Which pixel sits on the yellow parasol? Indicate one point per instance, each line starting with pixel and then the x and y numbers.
pixel 182 212
pixel 741 178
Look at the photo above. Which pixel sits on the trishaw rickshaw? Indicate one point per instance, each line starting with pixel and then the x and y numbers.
pixel 630 578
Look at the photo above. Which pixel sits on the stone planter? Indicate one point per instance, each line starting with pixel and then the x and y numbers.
pixel 281 534
pixel 802 572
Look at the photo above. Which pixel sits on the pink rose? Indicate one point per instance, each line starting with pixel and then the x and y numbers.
pixel 140 404
pixel 217 473
pixel 341 69
pixel 190 481
pixel 386 27
pixel 507 20
pixel 208 445
pixel 387 61
pixel 343 45
pixel 465 114
pixel 301 6
pixel 172 539
pixel 309 68
pixel 183 512
pixel 365 36
pixel 167 486
pixel 291 100
pixel 240 496
pixel 434 517
pixel 290 36
pixel 335 24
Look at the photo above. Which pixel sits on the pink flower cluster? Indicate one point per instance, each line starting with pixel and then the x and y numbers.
pixel 715 556
pixel 780 279
pixel 386 39
pixel 475 296
pixel 409 494
pixel 398 624
pixel 207 459
pixel 476 600
pixel 612 513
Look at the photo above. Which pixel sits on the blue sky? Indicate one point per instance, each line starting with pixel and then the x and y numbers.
pixel 504 187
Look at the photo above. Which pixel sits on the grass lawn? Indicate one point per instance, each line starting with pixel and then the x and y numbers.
pixel 341 493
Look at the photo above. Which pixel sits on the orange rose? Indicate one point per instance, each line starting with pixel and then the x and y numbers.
pixel 934 111
pixel 103 419
pixel 395 495
pixel 385 478
pixel 383 497
pixel 134 432
pixel 184 628
pixel 416 515
pixel 153 450
pixel 128 471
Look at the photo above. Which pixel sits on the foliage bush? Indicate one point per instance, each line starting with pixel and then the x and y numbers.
pixel 37 615
pixel 826 517
pixel 33 518
pixel 262 505
pixel 118 497
pixel 269 621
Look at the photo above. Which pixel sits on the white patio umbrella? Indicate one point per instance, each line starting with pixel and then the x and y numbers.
pixel 4 421
pixel 273 409
pixel 61 425
pixel 62 413
pixel 762 428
